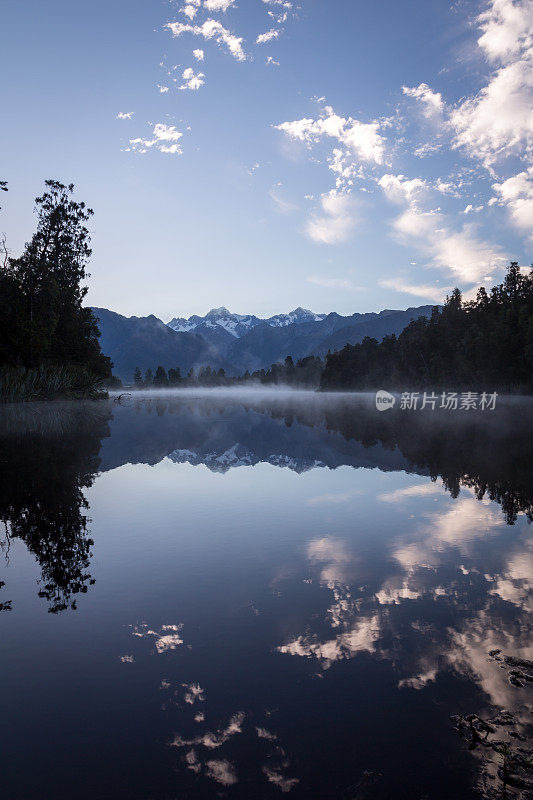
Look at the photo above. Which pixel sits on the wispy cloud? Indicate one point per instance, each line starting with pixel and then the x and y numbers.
pixel 263 38
pixel 333 283
pixel 283 205
pixel 431 292
pixel 460 252
pixel 125 114
pixel 335 221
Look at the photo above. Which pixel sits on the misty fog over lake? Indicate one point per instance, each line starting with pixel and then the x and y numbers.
pixel 245 594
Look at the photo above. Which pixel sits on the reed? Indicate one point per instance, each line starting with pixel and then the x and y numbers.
pixel 19 384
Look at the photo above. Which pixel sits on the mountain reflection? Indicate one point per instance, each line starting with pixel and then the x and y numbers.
pixel 488 452
pixel 49 456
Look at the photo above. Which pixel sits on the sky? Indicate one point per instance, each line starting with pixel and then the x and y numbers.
pixel 267 154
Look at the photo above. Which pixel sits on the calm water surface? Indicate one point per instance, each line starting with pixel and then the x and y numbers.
pixel 244 597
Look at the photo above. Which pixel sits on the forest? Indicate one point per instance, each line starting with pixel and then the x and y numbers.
pixel 482 344
pixel 305 374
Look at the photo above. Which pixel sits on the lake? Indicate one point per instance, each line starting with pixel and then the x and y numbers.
pixel 249 595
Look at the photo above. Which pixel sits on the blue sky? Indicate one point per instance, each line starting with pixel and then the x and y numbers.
pixel 336 155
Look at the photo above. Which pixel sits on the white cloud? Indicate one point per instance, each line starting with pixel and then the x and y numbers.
pixel 198 54
pixel 399 188
pixel 360 637
pixel 189 10
pixel 213 739
pixel 447 187
pixel 218 5
pixel 361 138
pixel 516 193
pixel 272 62
pixel 432 101
pixel 192 81
pixel 125 114
pixel 278 779
pixel 498 121
pixel 162 89
pixel 165 138
pixel 221 771
pixel 211 29
pixel 194 693
pixel 268 36
pixel 335 223
pixel 507 29
pixel 166 638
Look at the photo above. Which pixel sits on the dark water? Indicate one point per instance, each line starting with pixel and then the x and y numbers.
pixel 223 597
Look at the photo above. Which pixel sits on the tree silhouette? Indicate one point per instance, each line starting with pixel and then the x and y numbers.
pixel 42 319
pixel 160 378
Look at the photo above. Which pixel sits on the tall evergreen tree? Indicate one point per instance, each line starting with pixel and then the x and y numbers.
pixel 160 377
pixel 44 290
pixel 174 376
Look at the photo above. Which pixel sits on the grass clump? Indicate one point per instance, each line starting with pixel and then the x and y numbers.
pixel 48 383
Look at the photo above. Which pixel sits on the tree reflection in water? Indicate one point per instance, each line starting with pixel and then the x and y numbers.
pixel 49 456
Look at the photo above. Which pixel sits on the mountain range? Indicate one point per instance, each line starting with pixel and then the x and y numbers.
pixel 237 342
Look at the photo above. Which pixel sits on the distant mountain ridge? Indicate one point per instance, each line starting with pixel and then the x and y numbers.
pixel 239 324
pixel 146 342
pixel 237 342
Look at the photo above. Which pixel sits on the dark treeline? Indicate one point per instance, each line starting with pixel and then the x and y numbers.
pixel 304 374
pixel 484 344
pixel 48 341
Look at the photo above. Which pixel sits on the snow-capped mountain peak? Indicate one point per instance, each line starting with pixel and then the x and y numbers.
pixel 295 317
pixel 239 324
